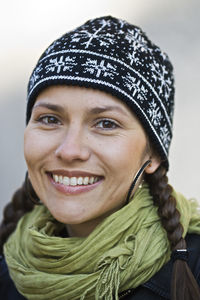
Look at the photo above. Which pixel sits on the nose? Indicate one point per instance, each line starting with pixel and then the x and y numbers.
pixel 73 146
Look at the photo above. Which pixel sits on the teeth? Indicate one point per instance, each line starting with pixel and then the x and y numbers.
pixel 60 179
pixel 73 181
pixel 66 180
pixel 85 180
pixel 91 180
pixel 80 181
pixel 56 178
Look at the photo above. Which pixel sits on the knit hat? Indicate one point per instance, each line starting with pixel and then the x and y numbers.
pixel 116 57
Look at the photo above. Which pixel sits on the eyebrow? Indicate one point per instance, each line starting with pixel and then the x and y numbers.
pixel 98 110
pixel 95 110
pixel 49 106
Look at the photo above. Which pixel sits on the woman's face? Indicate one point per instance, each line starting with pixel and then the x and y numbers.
pixel 83 148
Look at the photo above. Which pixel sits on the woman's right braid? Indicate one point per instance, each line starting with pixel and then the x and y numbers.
pixel 183 283
pixel 13 211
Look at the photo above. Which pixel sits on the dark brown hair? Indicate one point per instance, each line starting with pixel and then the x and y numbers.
pixel 183 284
pixel 14 210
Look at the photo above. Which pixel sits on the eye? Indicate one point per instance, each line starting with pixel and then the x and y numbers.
pixel 106 124
pixel 49 120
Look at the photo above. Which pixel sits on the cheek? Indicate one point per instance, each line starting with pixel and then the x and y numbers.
pixel 124 152
pixel 36 146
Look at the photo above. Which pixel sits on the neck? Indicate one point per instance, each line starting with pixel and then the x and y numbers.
pixel 83 229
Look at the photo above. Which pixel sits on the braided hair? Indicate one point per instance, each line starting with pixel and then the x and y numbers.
pixel 183 284
pixel 21 203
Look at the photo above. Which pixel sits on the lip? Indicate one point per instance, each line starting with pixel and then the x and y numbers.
pixel 73 190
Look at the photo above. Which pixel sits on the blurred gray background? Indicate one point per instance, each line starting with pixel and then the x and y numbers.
pixel 28 27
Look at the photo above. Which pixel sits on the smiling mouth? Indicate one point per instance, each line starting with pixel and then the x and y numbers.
pixel 75 181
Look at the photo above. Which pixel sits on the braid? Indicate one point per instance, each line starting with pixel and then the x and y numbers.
pixel 183 284
pixel 14 210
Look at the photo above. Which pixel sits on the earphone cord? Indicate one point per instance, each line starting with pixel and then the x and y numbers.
pixel 138 174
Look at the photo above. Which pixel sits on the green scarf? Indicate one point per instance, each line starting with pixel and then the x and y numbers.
pixel 124 251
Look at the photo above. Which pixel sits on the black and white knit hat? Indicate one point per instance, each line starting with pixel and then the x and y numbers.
pixel 113 56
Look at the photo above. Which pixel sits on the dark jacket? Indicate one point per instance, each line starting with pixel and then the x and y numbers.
pixel 157 288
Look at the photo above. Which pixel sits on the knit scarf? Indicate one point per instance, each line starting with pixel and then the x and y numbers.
pixel 122 252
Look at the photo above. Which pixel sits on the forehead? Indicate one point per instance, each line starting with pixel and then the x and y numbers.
pixel 82 98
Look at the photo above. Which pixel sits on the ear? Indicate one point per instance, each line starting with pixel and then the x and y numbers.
pixel 154 164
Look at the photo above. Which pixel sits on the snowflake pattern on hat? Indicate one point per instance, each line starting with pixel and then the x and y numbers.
pixel 104 68
pixel 63 64
pixel 118 58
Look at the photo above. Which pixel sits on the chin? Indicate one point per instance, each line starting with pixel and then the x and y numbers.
pixel 68 216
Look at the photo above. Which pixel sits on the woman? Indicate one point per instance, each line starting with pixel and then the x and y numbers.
pixel 96 218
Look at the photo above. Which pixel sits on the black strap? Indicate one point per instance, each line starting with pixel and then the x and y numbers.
pixel 135 179
pixel 181 254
